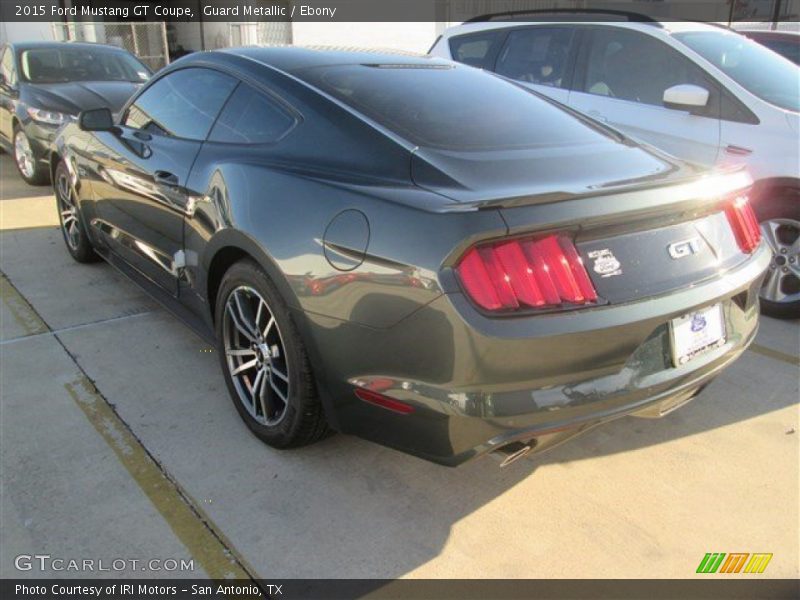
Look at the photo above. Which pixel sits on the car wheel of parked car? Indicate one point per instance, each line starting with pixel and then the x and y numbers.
pixel 69 216
pixel 780 226
pixel 264 361
pixel 31 170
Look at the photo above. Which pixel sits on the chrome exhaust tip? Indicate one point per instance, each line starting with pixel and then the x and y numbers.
pixel 512 452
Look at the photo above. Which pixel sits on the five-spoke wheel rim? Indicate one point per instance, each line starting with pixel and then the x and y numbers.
pixel 782 283
pixel 255 356
pixel 68 210
pixel 24 154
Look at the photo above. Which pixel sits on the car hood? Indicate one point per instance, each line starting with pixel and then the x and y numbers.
pixel 75 96
pixel 544 174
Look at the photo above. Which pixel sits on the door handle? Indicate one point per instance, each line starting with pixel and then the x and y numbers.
pixel 737 150
pixel 165 178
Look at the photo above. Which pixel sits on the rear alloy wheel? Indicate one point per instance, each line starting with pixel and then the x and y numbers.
pixel 264 360
pixel 69 216
pixel 780 292
pixel 256 356
pixel 31 170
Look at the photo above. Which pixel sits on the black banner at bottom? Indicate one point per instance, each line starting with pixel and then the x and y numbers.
pixel 401 589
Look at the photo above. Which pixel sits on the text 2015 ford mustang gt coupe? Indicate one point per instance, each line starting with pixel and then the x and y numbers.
pixel 412 250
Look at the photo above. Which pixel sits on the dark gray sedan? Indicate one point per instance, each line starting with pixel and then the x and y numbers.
pixel 412 250
pixel 46 84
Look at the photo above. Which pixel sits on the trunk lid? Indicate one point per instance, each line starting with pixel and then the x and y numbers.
pixel 646 242
pixel 649 262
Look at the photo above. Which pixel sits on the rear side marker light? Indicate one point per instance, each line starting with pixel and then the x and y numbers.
pixel 525 273
pixel 383 401
pixel 744 223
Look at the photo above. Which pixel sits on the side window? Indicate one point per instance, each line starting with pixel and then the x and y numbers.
pixel 536 55
pixel 250 117
pixel 632 66
pixel 7 68
pixel 182 104
pixel 475 50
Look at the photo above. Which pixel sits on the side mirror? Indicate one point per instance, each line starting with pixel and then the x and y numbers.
pixel 99 119
pixel 686 97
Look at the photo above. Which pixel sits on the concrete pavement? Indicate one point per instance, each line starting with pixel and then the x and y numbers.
pixel 636 498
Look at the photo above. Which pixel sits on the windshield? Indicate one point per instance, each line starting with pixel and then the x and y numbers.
pixel 786 49
pixel 58 65
pixel 756 68
pixel 446 106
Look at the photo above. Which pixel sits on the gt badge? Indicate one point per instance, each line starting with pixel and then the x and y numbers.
pixel 605 263
pixel 684 248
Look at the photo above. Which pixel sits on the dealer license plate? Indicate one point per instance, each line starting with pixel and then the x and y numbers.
pixel 696 333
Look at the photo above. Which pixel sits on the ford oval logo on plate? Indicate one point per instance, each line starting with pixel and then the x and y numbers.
pixel 698 323
pixel 697 333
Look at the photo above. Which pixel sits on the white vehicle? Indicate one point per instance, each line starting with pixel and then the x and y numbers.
pixel 695 90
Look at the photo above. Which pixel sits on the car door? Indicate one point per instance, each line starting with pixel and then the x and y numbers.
pixel 621 79
pixel 8 94
pixel 142 170
pixel 249 130
pixel 539 57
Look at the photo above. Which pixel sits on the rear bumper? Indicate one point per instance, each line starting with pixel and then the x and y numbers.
pixel 544 436
pixel 478 383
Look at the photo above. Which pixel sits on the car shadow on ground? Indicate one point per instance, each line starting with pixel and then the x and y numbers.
pixel 13 187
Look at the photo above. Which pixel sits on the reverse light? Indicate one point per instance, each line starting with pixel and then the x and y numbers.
pixel 744 223
pixel 526 273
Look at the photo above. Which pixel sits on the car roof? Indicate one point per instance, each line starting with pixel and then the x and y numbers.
pixel 659 28
pixel 292 58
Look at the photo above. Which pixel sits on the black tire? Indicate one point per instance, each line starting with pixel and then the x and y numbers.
pixel 784 209
pixel 302 421
pixel 39 174
pixel 73 229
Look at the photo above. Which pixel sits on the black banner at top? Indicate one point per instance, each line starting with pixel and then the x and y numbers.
pixel 452 11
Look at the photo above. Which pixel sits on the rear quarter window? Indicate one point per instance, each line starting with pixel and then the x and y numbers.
pixel 477 49
pixel 250 117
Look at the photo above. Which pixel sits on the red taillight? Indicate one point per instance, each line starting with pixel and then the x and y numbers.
pixel 526 273
pixel 744 223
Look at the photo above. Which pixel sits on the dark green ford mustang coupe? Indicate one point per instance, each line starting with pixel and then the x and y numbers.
pixel 412 250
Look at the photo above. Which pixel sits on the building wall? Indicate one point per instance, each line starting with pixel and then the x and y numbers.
pixel 25 31
pixel 413 37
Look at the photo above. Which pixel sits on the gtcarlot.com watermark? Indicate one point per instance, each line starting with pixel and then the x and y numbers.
pixel 47 562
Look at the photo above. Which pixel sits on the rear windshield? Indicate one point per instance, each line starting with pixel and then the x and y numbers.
pixel 63 64
pixel 451 106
